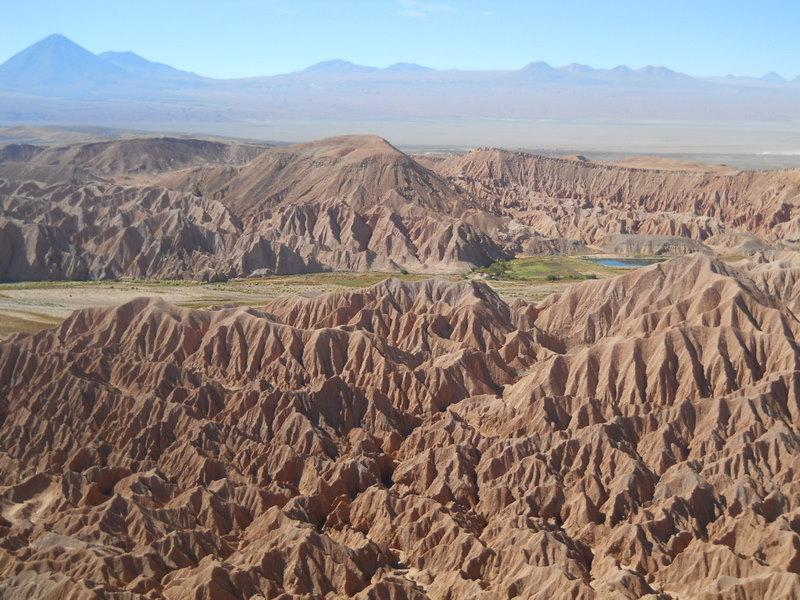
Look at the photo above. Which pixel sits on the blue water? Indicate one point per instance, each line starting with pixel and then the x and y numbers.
pixel 625 263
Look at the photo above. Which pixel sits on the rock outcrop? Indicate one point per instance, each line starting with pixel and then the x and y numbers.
pixel 106 160
pixel 345 204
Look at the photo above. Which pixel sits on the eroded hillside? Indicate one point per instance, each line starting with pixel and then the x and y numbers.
pixel 160 208
pixel 631 437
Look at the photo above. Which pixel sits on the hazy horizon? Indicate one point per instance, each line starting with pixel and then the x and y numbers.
pixel 530 75
pixel 247 39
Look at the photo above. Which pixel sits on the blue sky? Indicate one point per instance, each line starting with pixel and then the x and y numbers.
pixel 238 38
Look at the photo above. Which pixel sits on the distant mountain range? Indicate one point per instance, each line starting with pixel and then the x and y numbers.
pixel 57 65
pixel 57 81
pixel 135 65
pixel 56 60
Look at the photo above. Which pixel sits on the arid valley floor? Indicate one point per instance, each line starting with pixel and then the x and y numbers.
pixel 232 370
pixel 31 306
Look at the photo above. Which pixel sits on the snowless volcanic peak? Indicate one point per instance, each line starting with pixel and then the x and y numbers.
pixel 637 437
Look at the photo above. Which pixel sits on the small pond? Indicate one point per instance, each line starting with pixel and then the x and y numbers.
pixel 625 263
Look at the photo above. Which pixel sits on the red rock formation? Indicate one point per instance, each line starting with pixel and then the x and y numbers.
pixel 345 203
pixel 581 198
pixel 118 158
pixel 627 438
pixel 186 208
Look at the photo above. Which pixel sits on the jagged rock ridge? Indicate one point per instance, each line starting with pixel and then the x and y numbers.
pixel 172 208
pixel 632 437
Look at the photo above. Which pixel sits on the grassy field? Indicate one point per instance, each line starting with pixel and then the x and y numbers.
pixel 533 278
pixel 29 306
pixel 548 268
pixel 25 322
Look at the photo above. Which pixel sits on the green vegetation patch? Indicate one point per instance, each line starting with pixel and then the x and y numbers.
pixel 347 279
pixel 547 269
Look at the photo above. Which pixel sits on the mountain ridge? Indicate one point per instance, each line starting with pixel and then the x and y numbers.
pixel 54 60
pixel 135 64
pixel 131 62
pixel 56 81
pixel 180 208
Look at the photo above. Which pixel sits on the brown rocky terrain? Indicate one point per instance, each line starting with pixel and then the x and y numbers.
pixel 115 159
pixel 179 208
pixel 578 198
pixel 635 437
pixel 345 204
